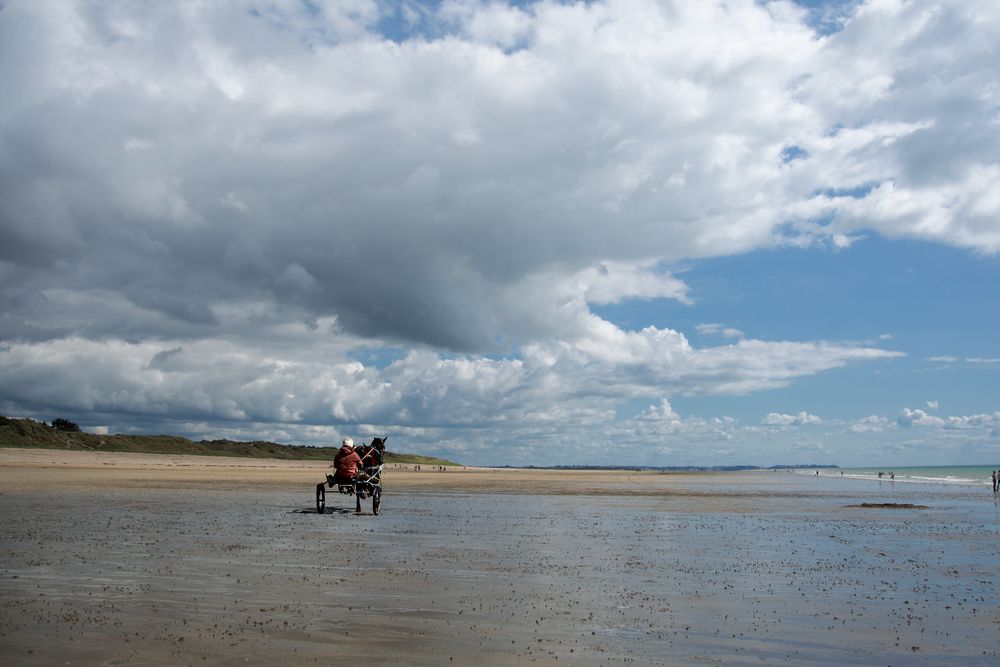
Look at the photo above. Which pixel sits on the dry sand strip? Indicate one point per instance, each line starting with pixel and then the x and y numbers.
pixel 26 469
pixel 30 469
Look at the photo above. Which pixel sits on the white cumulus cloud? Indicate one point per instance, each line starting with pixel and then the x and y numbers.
pixel 779 419
pixel 870 424
pixel 917 417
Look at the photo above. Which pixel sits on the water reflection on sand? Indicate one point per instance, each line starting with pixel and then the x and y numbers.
pixel 732 569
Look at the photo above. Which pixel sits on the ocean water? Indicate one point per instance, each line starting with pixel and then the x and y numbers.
pixel 947 475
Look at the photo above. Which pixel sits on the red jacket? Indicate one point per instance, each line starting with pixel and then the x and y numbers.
pixel 346 462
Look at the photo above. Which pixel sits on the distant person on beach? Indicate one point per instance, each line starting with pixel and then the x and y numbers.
pixel 345 463
pixel 994 481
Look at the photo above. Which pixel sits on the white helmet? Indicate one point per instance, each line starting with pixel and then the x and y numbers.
pixel 348 442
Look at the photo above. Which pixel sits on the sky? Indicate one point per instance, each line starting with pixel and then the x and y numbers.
pixel 618 232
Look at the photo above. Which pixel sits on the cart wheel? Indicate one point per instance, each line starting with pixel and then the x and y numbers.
pixel 320 498
pixel 376 500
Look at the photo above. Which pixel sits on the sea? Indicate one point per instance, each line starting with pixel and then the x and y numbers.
pixel 947 475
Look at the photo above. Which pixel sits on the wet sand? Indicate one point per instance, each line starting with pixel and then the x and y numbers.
pixel 120 559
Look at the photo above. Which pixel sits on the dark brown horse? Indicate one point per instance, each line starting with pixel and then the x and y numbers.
pixel 373 455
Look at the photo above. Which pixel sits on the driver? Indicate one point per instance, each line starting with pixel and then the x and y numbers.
pixel 346 463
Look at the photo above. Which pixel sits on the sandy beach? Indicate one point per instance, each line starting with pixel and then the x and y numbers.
pixel 127 559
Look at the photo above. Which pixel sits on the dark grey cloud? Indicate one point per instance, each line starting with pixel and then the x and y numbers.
pixel 408 187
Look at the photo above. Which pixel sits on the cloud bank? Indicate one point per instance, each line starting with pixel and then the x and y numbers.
pixel 305 218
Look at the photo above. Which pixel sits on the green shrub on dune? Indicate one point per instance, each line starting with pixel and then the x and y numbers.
pixel 61 424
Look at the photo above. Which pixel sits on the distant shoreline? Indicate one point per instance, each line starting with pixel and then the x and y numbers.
pixel 30 470
pixel 28 433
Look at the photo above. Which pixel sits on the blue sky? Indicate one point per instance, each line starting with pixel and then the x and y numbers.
pixel 696 232
pixel 926 300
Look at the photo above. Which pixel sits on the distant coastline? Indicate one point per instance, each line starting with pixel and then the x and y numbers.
pixel 28 433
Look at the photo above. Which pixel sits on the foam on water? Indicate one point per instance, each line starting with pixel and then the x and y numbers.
pixel 947 475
